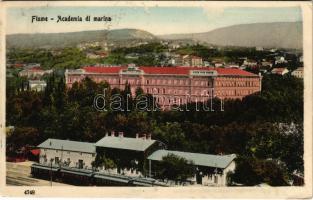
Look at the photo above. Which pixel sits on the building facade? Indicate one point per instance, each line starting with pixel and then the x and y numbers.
pixel 37 85
pixel 211 170
pixel 135 159
pixel 298 72
pixel 174 85
pixel 280 71
pixel 67 153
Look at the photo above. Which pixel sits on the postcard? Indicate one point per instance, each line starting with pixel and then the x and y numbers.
pixel 156 99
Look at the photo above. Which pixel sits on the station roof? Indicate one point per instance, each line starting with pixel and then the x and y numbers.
pixel 68 145
pixel 208 160
pixel 135 144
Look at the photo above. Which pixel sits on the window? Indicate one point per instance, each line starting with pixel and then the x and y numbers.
pixel 80 164
pixel 93 155
pixel 81 153
pixel 56 160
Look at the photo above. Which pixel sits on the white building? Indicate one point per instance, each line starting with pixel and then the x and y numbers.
pixel 298 72
pixel 67 153
pixel 37 85
pixel 212 170
pixel 280 71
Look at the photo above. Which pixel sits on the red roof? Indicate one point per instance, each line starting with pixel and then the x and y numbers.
pixel 35 152
pixel 108 70
pixel 170 70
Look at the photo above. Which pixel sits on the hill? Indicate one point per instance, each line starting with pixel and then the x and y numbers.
pixel 272 35
pixel 59 40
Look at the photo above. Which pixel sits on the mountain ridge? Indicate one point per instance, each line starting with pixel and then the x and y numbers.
pixel 271 35
pixel 250 35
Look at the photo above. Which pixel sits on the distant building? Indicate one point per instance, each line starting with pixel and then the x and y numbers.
pixel 37 85
pixel 34 72
pixel 67 153
pixel 266 64
pixel 212 170
pixel 298 72
pixel 259 48
pixel 280 60
pixel 192 61
pixel 176 60
pixel 92 55
pixel 250 63
pixel 280 71
pixel 196 61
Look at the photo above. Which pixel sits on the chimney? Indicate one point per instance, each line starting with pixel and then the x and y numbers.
pixel 106 134
pixel 149 136
pixel 121 134
pixel 137 135
pixel 112 134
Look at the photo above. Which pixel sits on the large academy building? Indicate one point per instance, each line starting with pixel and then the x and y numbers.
pixel 174 85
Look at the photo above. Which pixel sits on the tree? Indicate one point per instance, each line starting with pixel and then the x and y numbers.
pixel 175 168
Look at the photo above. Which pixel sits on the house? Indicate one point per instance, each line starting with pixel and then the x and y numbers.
pixel 67 153
pixel 298 72
pixel 192 61
pixel 250 63
pixel 280 71
pixel 266 64
pixel 280 60
pixel 129 154
pixel 196 61
pixel 176 60
pixel 37 85
pixel 92 55
pixel 212 170
pixel 34 72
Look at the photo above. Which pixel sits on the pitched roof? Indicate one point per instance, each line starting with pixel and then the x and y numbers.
pixel 279 70
pixel 208 160
pixel 169 70
pixel 107 70
pixel 135 144
pixel 68 145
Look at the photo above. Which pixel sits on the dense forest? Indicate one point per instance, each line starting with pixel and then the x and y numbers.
pixel 265 129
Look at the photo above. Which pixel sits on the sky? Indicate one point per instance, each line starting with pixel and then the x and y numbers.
pixel 156 20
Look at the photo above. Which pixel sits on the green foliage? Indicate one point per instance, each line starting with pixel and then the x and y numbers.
pixel 68 58
pixel 102 161
pixel 175 168
pixel 251 171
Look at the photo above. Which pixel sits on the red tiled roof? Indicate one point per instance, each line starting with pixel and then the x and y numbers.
pixel 170 70
pixel 109 70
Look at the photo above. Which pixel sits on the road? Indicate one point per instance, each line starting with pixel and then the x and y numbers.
pixel 18 174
